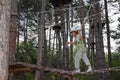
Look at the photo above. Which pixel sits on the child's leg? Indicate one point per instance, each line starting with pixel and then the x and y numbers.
pixel 77 59
pixel 85 59
pixel 87 62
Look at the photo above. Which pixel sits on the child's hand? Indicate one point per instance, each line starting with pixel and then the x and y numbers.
pixel 81 38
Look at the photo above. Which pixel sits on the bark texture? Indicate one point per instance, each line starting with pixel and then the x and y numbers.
pixel 4 38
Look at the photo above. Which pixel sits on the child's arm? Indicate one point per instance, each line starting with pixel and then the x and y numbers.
pixel 80 34
pixel 71 43
pixel 81 37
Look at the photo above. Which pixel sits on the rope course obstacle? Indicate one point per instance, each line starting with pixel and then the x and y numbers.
pixel 56 41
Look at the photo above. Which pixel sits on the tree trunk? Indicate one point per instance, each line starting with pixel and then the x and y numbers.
pixel 91 41
pixel 100 55
pixel 13 31
pixel 41 38
pixel 4 38
pixel 25 29
pixel 81 20
pixel 45 63
pixel 64 59
pixel 67 30
pixel 58 42
pixel 119 4
pixel 59 52
pixel 71 40
pixel 99 39
pixel 13 35
pixel 108 39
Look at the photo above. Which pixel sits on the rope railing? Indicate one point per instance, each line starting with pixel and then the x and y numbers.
pixel 79 19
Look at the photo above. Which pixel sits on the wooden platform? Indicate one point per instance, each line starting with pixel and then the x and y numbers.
pixel 25 67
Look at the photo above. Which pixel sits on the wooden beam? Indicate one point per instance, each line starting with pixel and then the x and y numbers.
pixel 25 69
pixel 21 67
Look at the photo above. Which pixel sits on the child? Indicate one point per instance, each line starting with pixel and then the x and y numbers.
pixel 79 49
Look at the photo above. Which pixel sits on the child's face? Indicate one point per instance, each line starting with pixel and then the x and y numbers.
pixel 73 34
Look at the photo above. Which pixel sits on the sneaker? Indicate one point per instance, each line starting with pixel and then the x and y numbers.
pixel 89 69
pixel 77 70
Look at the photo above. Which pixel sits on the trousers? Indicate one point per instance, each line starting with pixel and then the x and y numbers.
pixel 81 54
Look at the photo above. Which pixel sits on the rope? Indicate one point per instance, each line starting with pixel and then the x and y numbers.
pixel 81 18
pixel 87 14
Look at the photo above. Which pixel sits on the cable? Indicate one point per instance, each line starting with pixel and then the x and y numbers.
pixel 87 14
pixel 80 19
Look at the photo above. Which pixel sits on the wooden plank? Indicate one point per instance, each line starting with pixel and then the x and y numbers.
pixel 22 64
pixel 25 69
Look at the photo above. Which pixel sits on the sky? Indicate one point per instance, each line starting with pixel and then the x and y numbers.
pixel 114 14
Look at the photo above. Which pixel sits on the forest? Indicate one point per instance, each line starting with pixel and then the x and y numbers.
pixel 34 36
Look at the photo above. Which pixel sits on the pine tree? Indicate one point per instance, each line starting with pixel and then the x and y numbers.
pixel 98 30
pixel 41 29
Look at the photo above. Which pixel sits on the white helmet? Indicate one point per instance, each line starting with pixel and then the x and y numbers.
pixel 75 28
